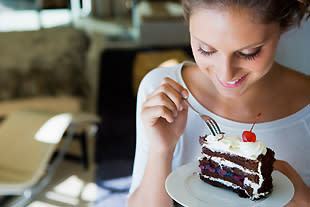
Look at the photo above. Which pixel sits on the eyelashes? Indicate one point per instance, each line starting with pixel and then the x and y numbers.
pixel 206 53
pixel 251 56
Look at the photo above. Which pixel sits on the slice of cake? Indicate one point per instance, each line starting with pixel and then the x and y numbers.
pixel 244 167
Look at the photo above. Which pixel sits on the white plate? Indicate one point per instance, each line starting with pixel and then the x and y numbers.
pixel 186 188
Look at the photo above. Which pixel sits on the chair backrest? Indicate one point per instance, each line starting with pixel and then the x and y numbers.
pixel 27 142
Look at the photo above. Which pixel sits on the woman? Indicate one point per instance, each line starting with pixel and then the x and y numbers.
pixel 234 77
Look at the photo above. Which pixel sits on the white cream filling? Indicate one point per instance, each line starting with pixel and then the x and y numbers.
pixel 230 184
pixel 255 186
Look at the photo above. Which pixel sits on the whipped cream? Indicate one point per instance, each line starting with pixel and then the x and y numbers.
pixel 234 145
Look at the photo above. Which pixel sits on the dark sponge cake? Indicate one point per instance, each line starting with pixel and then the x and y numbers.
pixel 243 167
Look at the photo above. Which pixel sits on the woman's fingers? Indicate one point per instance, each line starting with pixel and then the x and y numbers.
pixel 302 191
pixel 156 112
pixel 163 116
pixel 178 87
pixel 166 101
pixel 172 90
pixel 163 100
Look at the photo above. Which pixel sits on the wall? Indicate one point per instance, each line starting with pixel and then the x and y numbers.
pixel 293 50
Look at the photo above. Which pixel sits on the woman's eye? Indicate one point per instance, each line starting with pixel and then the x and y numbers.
pixel 204 52
pixel 250 56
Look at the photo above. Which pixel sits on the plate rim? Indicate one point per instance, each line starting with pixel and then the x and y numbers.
pixel 190 168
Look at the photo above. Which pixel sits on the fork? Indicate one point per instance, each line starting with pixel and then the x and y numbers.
pixel 212 125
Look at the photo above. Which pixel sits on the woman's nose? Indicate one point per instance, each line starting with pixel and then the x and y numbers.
pixel 225 70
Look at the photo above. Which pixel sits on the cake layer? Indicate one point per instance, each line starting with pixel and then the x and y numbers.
pixel 245 193
pixel 241 192
pixel 252 165
pixel 251 183
pixel 233 171
pixel 233 174
pixel 249 164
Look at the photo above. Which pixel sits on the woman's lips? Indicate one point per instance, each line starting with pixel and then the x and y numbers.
pixel 233 84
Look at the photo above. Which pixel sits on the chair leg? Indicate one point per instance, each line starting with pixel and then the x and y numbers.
pixel 84 150
pixel 18 200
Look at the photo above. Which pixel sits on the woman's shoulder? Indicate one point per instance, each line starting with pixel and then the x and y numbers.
pixel 297 84
pixel 164 71
pixel 153 78
pixel 158 74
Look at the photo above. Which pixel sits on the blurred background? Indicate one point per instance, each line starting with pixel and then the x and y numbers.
pixel 97 52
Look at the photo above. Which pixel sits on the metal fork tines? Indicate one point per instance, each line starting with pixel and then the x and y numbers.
pixel 211 123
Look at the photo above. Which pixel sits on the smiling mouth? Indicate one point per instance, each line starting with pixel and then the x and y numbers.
pixel 233 84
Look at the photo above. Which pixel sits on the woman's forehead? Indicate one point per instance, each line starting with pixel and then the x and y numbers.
pixel 229 26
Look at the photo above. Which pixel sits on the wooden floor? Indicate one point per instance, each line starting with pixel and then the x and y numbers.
pixel 71 185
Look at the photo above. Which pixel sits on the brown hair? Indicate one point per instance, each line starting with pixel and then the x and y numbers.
pixel 287 13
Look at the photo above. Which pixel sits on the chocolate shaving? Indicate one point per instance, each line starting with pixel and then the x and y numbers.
pixel 202 139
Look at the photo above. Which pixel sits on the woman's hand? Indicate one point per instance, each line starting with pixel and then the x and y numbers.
pixel 164 115
pixel 302 191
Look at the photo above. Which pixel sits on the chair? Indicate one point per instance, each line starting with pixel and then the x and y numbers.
pixel 28 139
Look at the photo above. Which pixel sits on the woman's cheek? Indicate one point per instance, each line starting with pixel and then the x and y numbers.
pixel 204 64
pixel 262 63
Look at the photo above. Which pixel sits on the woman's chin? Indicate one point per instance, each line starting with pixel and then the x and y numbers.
pixel 231 93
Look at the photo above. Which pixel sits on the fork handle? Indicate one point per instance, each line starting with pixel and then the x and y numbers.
pixel 186 101
pixel 212 125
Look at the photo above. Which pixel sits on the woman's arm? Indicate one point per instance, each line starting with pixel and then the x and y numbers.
pixel 151 191
pixel 302 191
pixel 164 116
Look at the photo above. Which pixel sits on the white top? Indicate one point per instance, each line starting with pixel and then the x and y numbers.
pixel 289 137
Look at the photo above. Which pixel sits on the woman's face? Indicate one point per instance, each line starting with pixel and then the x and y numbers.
pixel 233 51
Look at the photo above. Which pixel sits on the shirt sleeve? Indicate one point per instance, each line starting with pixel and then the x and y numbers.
pixel 149 83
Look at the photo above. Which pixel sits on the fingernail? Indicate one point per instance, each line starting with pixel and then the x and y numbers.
pixel 184 94
pixel 181 107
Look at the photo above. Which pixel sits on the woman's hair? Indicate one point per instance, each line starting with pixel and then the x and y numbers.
pixel 287 13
